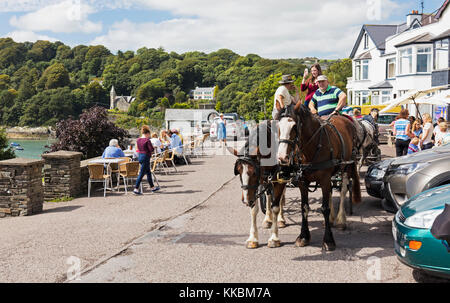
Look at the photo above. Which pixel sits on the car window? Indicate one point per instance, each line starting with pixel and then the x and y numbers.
pixel 386 119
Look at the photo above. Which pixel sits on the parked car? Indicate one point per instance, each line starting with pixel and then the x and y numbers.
pixel 384 121
pixel 374 178
pixel 234 127
pixel 410 175
pixel 414 244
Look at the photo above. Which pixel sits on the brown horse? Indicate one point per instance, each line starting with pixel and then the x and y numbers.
pixel 322 149
pixel 256 162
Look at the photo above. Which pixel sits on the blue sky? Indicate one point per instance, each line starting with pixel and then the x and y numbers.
pixel 264 27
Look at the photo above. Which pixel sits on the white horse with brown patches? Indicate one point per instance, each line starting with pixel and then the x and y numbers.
pixel 254 166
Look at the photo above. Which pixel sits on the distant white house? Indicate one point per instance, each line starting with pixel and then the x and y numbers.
pixel 204 93
pixel 122 103
pixel 389 60
pixel 186 119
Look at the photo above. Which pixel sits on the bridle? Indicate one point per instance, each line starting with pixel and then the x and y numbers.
pixel 260 190
pixel 321 131
pixel 293 143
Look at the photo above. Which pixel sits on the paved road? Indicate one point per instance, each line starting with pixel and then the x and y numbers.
pixel 37 248
pixel 193 231
pixel 207 244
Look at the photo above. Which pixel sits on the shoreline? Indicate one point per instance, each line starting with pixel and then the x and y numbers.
pixel 29 133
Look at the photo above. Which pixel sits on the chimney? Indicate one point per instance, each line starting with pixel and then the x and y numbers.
pixel 413 16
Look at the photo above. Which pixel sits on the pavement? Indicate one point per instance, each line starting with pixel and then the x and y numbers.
pixel 193 231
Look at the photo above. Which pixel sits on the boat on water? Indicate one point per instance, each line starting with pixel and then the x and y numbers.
pixel 14 144
pixel 18 148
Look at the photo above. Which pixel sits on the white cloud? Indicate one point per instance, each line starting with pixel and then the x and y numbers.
pixel 24 36
pixel 269 28
pixel 64 17
pixel 32 5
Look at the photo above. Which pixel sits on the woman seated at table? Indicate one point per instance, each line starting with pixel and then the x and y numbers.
pixel 113 150
pixel 156 143
pixel 165 139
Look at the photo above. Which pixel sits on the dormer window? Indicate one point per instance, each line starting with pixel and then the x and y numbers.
pixel 366 41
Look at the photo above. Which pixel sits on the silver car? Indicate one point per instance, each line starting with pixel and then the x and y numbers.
pixel 410 175
pixel 384 121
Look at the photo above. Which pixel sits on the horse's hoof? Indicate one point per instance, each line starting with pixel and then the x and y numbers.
pixel 328 246
pixel 252 245
pixel 301 242
pixel 341 226
pixel 267 225
pixel 274 244
pixel 281 224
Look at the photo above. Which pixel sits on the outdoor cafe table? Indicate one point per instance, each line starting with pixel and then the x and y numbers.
pixel 129 153
pixel 107 162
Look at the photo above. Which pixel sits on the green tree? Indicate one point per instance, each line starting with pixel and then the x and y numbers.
pixel 4 81
pixel 338 72
pixel 95 94
pixel 42 51
pixel 151 91
pixel 6 152
pixel 180 97
pixel 54 76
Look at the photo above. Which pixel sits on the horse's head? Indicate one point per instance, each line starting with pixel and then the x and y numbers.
pixel 288 133
pixel 248 169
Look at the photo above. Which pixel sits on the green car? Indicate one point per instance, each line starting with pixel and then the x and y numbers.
pixel 414 244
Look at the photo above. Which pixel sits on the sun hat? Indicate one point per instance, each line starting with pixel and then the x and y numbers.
pixel 322 78
pixel 285 79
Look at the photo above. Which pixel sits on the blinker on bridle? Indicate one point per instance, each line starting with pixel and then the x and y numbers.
pixel 249 161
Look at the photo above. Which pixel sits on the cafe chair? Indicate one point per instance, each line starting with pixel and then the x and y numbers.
pixel 96 174
pixel 129 171
pixel 115 167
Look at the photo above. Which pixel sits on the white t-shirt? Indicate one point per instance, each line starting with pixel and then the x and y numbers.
pixel 428 126
pixel 287 99
pixel 439 136
pixel 436 130
pixel 156 144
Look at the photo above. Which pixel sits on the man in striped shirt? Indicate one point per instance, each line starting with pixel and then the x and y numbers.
pixel 328 99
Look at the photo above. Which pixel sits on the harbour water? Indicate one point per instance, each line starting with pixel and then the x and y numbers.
pixel 32 149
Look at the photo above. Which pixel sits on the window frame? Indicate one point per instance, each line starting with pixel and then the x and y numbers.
pixel 435 54
pixel 429 60
pixel 400 60
pixel 389 62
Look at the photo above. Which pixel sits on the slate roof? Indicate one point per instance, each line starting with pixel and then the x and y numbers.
pixel 442 9
pixel 127 99
pixel 378 33
pixel 381 85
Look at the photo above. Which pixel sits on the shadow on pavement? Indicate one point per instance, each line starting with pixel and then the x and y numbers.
pixel 62 209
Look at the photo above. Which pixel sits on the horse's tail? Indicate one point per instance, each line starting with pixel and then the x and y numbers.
pixel 356 186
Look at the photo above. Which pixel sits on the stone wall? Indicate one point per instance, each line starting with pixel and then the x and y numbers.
pixel 62 175
pixel 21 189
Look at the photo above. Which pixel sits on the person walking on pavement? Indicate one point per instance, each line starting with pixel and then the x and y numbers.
pixel 145 148
pixel 222 130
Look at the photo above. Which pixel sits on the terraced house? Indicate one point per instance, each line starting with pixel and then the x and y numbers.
pixel 389 60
